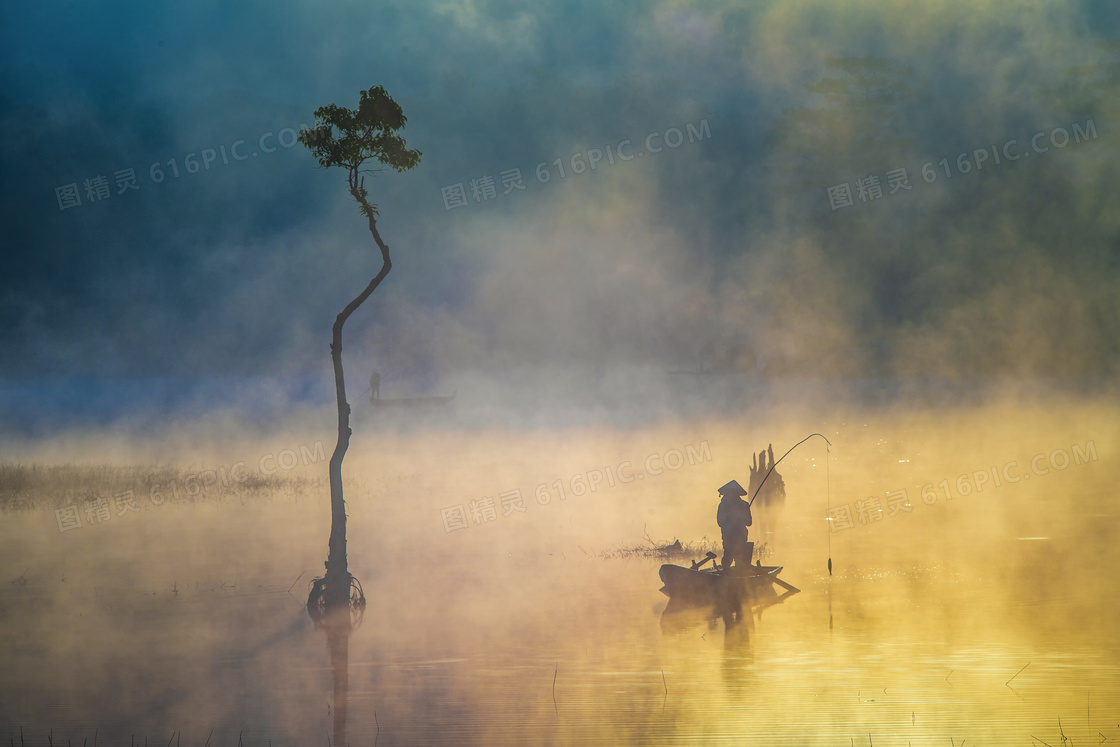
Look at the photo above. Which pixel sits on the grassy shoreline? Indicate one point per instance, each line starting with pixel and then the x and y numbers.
pixel 26 487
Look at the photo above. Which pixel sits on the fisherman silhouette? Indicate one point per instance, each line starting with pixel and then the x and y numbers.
pixel 375 386
pixel 733 517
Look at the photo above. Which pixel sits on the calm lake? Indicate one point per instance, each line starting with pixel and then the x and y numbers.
pixel 964 610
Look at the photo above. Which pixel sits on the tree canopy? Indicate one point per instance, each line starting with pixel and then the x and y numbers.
pixel 349 138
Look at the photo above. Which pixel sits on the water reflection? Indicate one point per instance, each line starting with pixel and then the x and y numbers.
pixel 738 652
pixel 338 621
pixel 933 611
pixel 738 614
pixel 734 597
pixel 338 628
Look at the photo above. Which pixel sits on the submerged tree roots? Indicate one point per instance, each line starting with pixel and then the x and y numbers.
pixel 350 598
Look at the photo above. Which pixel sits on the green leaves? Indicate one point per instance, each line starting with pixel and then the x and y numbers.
pixel 349 138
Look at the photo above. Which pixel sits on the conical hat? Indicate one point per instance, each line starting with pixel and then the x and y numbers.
pixel 732 488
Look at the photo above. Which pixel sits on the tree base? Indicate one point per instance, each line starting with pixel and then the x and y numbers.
pixel 328 600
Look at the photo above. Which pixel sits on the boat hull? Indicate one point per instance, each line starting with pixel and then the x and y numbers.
pixel 728 590
pixel 686 583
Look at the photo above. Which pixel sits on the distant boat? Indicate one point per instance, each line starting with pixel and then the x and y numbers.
pixel 412 402
pixel 722 371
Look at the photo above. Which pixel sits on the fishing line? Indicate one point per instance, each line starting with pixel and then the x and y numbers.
pixel 827 501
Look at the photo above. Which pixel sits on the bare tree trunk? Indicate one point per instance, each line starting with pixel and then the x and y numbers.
pixel 337 578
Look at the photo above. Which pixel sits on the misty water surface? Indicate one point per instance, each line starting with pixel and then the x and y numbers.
pixel 533 628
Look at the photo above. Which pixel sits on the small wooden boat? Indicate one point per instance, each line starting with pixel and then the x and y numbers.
pixel 411 402
pixel 732 588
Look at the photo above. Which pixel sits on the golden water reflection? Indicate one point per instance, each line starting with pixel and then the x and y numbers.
pixel 944 622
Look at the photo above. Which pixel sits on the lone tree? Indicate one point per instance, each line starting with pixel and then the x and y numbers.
pixel 351 139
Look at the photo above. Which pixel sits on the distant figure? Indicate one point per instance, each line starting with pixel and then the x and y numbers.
pixel 773 491
pixel 769 493
pixel 375 386
pixel 758 471
pixel 733 517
